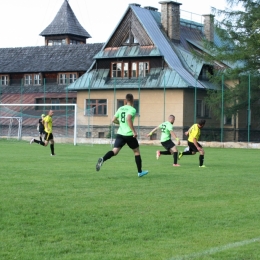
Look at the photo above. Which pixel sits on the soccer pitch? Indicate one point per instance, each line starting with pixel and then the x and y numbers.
pixel 61 208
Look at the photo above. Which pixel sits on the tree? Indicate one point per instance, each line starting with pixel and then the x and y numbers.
pixel 240 34
pixel 239 31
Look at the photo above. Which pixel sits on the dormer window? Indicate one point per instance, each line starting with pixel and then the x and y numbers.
pixel 120 70
pixel 205 73
pixel 32 79
pixel 140 69
pixel 56 42
pixel 37 79
pixel 28 79
pixel 75 42
pixel 129 69
pixel 143 69
pixel 66 78
pixel 4 80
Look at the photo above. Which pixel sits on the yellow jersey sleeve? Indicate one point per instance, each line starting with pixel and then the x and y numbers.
pixel 194 133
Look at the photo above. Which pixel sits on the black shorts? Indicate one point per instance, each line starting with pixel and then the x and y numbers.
pixel 48 136
pixel 169 144
pixel 41 131
pixel 121 140
pixel 192 147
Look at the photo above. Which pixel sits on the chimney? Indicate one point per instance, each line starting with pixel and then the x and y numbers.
pixel 170 19
pixel 209 27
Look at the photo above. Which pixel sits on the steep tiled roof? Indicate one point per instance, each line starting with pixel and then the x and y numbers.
pixel 78 57
pixel 65 22
pixel 163 44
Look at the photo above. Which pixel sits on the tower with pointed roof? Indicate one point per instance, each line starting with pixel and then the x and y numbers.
pixel 65 28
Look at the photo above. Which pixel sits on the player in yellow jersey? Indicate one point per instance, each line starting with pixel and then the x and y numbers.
pixel 194 146
pixel 47 121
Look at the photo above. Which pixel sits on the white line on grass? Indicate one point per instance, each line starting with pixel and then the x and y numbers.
pixel 214 250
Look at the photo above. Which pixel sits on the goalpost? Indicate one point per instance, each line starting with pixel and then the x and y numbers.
pixel 11 119
pixel 26 117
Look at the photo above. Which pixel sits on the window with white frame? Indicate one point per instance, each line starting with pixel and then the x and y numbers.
pixel 139 69
pixel 126 73
pixel 116 70
pixel 126 69
pixel 202 109
pixel 37 79
pixel 134 69
pixel 62 78
pixel 32 79
pixel 143 69
pixel 72 77
pixel 4 80
pixel 66 78
pixel 27 79
pixel 56 42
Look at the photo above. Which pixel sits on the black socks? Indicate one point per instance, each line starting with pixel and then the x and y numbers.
pixel 108 155
pixel 52 148
pixel 138 162
pixel 201 158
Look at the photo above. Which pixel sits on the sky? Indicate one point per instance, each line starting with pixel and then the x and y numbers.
pixel 21 21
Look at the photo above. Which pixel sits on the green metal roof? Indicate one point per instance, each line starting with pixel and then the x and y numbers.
pixel 157 78
pixel 128 51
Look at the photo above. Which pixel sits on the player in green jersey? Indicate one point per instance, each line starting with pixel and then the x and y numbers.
pixel 47 122
pixel 126 134
pixel 166 139
pixel 194 146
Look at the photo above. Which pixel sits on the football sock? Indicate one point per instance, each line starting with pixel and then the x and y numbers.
pixel 41 138
pixel 52 148
pixel 175 157
pixel 108 155
pixel 138 162
pixel 165 152
pixel 201 158
pixel 39 142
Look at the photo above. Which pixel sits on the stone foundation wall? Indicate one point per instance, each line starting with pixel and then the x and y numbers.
pixel 94 141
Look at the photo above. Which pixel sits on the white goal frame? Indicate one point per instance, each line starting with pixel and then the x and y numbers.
pixel 19 120
pixel 50 105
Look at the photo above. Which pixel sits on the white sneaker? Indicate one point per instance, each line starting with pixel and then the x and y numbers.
pixel 53 154
pixel 32 141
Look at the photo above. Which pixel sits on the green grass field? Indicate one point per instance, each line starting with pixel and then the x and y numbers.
pixel 61 208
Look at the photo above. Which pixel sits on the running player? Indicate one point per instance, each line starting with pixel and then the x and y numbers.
pixel 166 139
pixel 126 134
pixel 194 145
pixel 48 133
